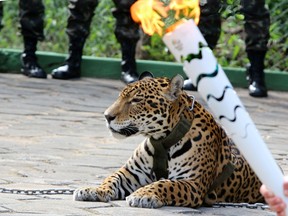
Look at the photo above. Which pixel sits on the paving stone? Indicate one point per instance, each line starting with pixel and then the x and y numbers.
pixel 53 136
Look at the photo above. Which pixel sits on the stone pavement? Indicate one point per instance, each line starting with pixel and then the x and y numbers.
pixel 53 136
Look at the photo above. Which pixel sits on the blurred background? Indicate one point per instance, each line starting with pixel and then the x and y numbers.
pixel 230 50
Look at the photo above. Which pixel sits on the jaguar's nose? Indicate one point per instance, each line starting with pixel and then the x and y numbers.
pixel 109 118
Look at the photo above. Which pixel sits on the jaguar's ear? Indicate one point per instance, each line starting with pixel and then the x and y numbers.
pixel 176 86
pixel 145 74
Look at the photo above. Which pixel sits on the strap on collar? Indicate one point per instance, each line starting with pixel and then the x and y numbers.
pixel 160 159
pixel 227 171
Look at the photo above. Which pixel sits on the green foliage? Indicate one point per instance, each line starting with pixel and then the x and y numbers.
pixel 231 47
pixel 101 41
pixel 156 49
pixel 230 50
pixel 278 44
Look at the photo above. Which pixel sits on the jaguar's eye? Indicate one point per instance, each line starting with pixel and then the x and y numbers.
pixel 136 100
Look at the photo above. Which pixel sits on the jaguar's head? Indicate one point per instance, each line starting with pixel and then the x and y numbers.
pixel 145 107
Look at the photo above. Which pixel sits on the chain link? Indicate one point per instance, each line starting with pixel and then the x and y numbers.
pixel 70 192
pixel 241 205
pixel 38 192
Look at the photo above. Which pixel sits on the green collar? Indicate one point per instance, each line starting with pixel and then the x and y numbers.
pixel 160 158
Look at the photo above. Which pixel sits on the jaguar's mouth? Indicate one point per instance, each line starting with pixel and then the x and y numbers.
pixel 126 132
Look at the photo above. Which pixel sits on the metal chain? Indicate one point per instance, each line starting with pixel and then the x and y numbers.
pixel 241 205
pixel 38 192
pixel 70 192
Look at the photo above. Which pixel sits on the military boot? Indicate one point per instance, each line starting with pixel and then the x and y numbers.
pixel 128 63
pixel 29 65
pixel 255 74
pixel 72 66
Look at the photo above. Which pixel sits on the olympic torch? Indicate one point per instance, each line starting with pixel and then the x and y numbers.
pixel 187 44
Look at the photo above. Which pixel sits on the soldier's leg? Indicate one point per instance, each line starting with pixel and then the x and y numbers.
pixel 31 14
pixel 257 23
pixel 210 21
pixel 78 29
pixel 1 14
pixel 127 34
pixel 210 27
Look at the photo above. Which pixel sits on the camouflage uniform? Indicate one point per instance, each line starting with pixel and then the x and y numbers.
pixel 82 11
pixel 125 26
pixel 81 14
pixel 79 21
pixel 32 18
pixel 210 21
pixel 257 22
pixel 1 14
pixel 32 14
pixel 78 29
pixel 127 33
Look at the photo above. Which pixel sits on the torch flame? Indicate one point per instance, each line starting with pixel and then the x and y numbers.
pixel 189 8
pixel 151 13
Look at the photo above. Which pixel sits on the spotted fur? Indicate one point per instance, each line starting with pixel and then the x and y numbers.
pixel 152 107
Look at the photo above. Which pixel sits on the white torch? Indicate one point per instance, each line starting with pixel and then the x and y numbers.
pixel 189 47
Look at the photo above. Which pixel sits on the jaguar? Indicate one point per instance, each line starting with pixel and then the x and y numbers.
pixel 186 159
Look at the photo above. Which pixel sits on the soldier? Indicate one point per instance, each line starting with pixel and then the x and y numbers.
pixel 32 23
pixel 78 29
pixel 1 14
pixel 257 22
pixel 126 31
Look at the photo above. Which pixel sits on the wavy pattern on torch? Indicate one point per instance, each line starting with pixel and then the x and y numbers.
pixel 235 116
pixel 210 75
pixel 246 131
pixel 192 56
pixel 222 96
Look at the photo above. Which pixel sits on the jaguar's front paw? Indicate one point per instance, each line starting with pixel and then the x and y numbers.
pixel 144 201
pixel 91 194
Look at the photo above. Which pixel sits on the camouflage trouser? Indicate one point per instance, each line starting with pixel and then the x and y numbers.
pixel 210 21
pixel 82 12
pixel 32 14
pixel 1 14
pixel 126 28
pixel 257 23
pixel 79 21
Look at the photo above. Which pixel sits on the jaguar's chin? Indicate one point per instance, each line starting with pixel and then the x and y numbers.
pixel 124 132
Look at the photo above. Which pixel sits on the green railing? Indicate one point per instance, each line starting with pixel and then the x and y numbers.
pixel 110 68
